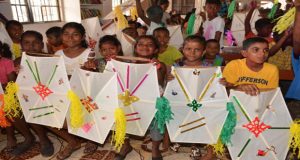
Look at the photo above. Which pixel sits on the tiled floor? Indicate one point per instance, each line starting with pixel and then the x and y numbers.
pixel 136 154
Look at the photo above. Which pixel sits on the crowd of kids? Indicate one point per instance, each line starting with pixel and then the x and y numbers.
pixel 265 53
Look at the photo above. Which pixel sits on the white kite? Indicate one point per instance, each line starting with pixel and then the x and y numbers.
pixel 43 86
pixel 127 43
pixel 176 37
pixel 137 92
pixel 262 130
pixel 98 96
pixel 198 102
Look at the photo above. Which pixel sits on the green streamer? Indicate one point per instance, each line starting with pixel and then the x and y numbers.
pixel 229 126
pixel 191 22
pixel 231 9
pixel 272 13
pixel 163 114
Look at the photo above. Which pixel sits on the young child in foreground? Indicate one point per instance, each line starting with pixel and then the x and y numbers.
pixel 252 73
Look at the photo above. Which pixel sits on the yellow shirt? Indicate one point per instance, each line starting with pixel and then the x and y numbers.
pixel 16 50
pixel 169 56
pixel 237 73
pixel 282 59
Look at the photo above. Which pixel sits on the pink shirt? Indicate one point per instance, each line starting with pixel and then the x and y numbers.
pixel 6 67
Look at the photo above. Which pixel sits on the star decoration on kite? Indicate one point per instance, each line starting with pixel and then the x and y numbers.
pixel 87 103
pixel 92 43
pixel 256 127
pixel 127 98
pixel 42 90
pixel 194 105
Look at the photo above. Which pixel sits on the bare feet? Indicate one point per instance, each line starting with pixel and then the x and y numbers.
pixel 68 150
pixel 90 147
pixel 209 155
pixel 126 148
pixel 24 146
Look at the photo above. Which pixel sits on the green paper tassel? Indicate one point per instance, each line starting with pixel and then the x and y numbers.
pixel 163 114
pixel 231 9
pixel 191 22
pixel 272 13
pixel 230 123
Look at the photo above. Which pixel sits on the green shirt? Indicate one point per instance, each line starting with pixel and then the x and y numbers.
pixel 169 56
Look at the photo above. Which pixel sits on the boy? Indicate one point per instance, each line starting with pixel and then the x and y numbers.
pixel 164 4
pixel 213 26
pixel 251 73
pixel 142 30
pixel 167 54
pixel 263 26
pixel 155 14
pixel 54 39
pixel 211 56
pixel 15 30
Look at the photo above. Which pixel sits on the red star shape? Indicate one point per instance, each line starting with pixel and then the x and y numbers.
pixel 256 127
pixel 42 90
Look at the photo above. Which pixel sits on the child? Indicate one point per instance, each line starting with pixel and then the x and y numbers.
pixel 213 26
pixel 148 47
pixel 15 30
pixel 54 41
pixel 252 73
pixel 263 26
pixel 132 32
pixel 167 54
pixel 32 42
pixel 211 56
pixel 109 47
pixel 155 14
pixel 142 30
pixel 164 4
pixel 76 51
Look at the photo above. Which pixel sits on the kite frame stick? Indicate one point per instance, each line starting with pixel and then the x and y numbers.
pixel 241 108
pixel 244 147
pixel 197 120
pixel 133 58
pixel 37 108
pixel 207 86
pixel 200 125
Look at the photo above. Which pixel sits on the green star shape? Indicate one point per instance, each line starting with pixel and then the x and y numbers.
pixel 194 105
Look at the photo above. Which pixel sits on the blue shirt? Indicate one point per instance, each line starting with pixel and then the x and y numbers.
pixel 294 90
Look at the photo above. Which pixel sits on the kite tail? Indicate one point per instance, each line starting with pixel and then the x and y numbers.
pixel 118 137
pixel 230 123
pixel 272 13
pixel 133 13
pixel 122 22
pixel 190 26
pixel 231 9
pixel 3 121
pixel 12 107
pixel 219 148
pixel 76 113
pixel 164 113
pixel 285 21
pixel 294 140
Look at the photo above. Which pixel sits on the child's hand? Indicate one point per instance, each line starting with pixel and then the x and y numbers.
pixel 156 63
pixel 203 15
pixel 170 77
pixel 225 83
pixel 250 89
pixel 110 56
pixel 90 65
pixel 253 4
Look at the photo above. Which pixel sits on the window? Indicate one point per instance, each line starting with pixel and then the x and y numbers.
pixel 35 10
pixel 117 2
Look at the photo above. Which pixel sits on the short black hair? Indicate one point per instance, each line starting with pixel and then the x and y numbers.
pixel 161 29
pixel 216 2
pixel 155 12
pixel 262 22
pixel 154 40
pixel 36 34
pixel 195 38
pixel 212 41
pixel 5 50
pixel 248 42
pixel 112 40
pixel 79 27
pixel 55 31
pixel 164 2
pixel 12 23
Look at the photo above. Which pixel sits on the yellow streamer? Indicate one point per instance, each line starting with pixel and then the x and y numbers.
pixel 118 137
pixel 76 113
pixel 219 148
pixel 133 13
pixel 12 106
pixel 285 21
pixel 294 140
pixel 127 99
pixel 122 21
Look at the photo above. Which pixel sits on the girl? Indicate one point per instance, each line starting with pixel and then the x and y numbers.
pixel 15 29
pixel 109 47
pixel 148 47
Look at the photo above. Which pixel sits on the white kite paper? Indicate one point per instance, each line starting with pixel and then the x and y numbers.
pixel 198 102
pixel 43 86
pixel 238 25
pixel 127 43
pixel 176 38
pixel 98 95
pixel 262 130
pixel 138 89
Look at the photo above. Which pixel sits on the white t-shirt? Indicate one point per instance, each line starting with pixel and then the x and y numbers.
pixel 76 62
pixel 152 27
pixel 211 27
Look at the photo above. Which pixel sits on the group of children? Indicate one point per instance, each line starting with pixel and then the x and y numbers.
pixel 250 74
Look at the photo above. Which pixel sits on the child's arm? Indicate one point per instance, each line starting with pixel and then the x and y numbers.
pixel 296 33
pixel 141 13
pixel 278 44
pixel 250 89
pixel 247 24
